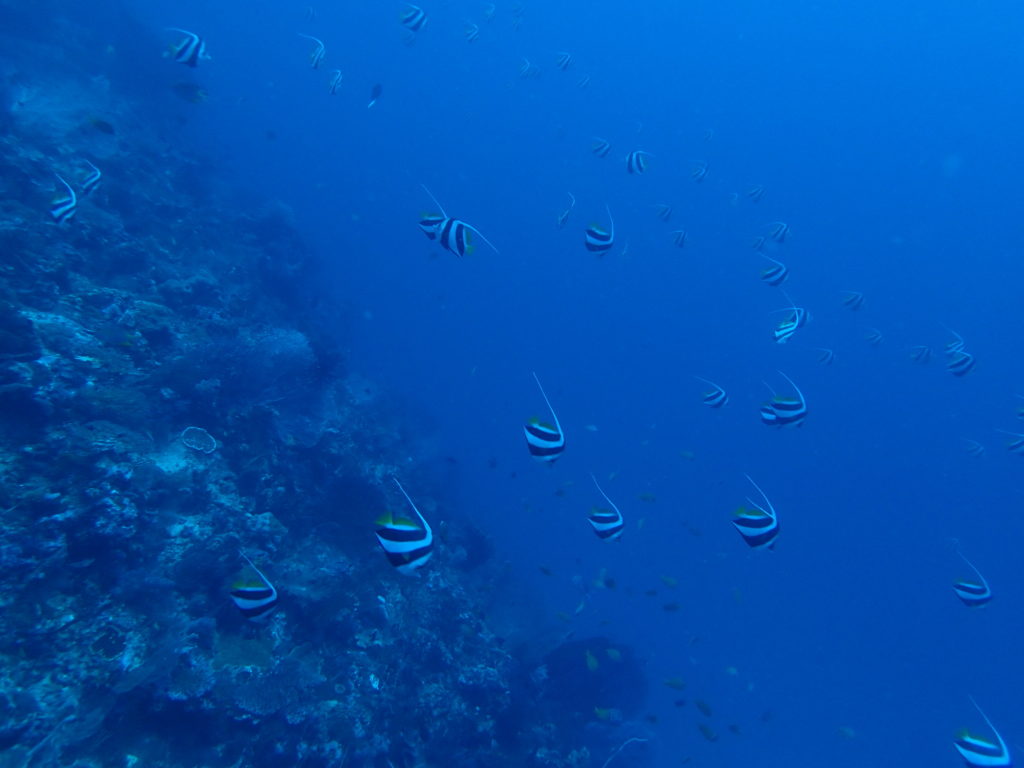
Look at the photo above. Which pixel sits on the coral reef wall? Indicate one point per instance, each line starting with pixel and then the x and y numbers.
pixel 172 393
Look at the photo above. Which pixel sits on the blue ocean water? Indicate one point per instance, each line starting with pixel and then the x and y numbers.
pixel 884 136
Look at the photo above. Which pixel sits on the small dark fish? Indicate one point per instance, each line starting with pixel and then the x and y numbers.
pixel 101 125
pixel 703 706
pixel 671 607
pixel 707 732
pixel 853 300
pixel 375 93
pixel 190 92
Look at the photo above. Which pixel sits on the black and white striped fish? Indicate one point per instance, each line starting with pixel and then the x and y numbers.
pixel 472 32
pixel 64 204
pixel 601 147
pixel 679 238
pixel 607 523
pixel 563 217
pixel 583 82
pixel 974 448
pixel 699 172
pixel 599 240
pixel 874 337
pixel 335 83
pixel 316 56
pixel 1016 445
pixel 453 234
pixel 826 356
pixel 797 319
pixel 755 193
pixel 758 526
pixel 413 17
pixel 407 543
pixel 564 60
pixel 956 345
pixel 254 598
pixel 776 274
pixel 716 397
pixel 785 411
pixel 528 70
pixel 92 179
pixel 853 300
pixel 190 51
pixel 921 354
pixel 664 211
pixel 636 161
pixel 972 593
pixel 983 753
pixel 544 441
pixel 780 231
pixel 960 363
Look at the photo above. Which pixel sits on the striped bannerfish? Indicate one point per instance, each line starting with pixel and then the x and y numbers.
pixel 528 70
pixel 709 134
pixel 472 32
pixel 699 172
pixel 489 10
pixel 974 448
pixel 973 594
pixel 598 240
pixel 564 60
pixel 826 356
pixel 636 161
pixel 563 217
pixel 755 193
pixel 255 599
pixel 407 543
pixel 921 354
pixel 583 82
pixel 853 300
pixel 758 526
pixel 600 147
pixel 316 56
pixel 960 363
pixel 190 50
pixel 1020 408
pixel 64 204
pixel 453 234
pixel 982 753
pixel 785 411
pixel 716 397
pixel 413 17
pixel 607 523
pixel 664 211
pixel 1016 445
pixel 679 238
pixel 780 231
pixel 776 274
pixel 545 442
pixel 956 345
pixel 335 83
pixel 785 329
pixel 874 337
pixel 92 180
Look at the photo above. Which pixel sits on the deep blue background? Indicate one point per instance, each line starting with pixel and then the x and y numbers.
pixel 887 137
